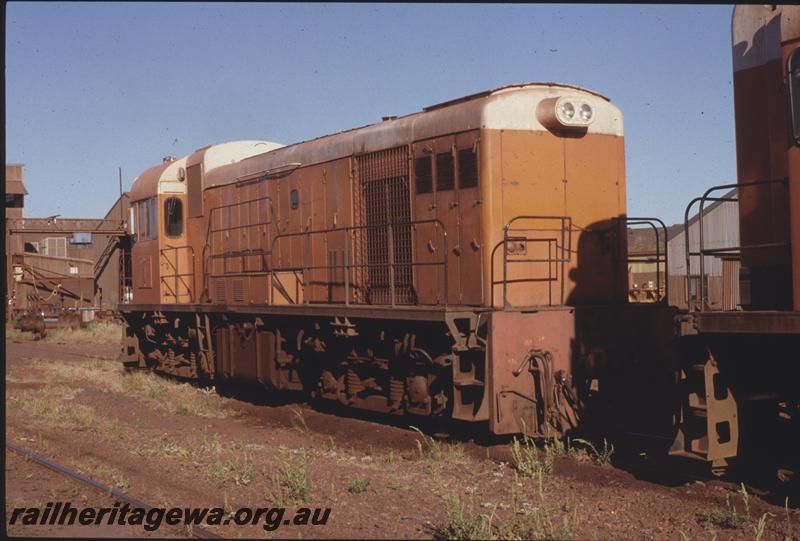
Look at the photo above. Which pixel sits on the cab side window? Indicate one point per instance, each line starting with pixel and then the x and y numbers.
pixel 147 218
pixel 152 218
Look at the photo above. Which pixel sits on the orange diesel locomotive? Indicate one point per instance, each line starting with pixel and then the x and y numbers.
pixel 467 262
pixel 741 366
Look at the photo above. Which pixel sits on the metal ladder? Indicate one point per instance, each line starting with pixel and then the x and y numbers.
pixel 102 261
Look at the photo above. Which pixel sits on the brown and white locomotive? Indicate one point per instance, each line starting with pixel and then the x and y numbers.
pixel 467 261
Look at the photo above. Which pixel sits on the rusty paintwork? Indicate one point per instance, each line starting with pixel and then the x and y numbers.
pixel 761 112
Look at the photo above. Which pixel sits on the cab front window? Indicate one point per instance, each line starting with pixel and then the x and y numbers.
pixel 173 217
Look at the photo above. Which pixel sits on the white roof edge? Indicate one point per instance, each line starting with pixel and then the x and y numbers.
pixel 511 107
pixel 169 182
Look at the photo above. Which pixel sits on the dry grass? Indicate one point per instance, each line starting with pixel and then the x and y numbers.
pixel 15 335
pixel 526 457
pixel 160 393
pixel 105 473
pixel 223 466
pixel 55 406
pixel 358 485
pixel 539 519
pixel 463 522
pixel 172 397
pixel 105 374
pixel 439 452
pixel 99 332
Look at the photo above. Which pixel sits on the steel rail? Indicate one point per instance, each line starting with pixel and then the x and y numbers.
pixel 196 531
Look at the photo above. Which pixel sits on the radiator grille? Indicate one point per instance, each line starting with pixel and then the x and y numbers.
pixel 219 290
pixel 238 290
pixel 382 197
pixel 423 173
pixel 445 173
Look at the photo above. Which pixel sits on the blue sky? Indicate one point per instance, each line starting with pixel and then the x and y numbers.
pixel 94 86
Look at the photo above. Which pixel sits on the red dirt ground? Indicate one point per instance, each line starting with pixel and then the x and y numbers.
pixel 179 458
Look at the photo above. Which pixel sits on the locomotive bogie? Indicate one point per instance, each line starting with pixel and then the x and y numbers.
pixel 389 366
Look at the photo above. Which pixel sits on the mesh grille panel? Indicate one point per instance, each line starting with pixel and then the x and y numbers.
pixel 467 168
pixel 383 198
pixel 423 173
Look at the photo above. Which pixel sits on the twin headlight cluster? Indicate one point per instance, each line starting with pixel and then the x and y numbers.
pixel 565 112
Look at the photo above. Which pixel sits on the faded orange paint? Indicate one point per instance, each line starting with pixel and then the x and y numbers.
pixel 304 223
pixel 176 257
pixel 545 174
pixel 760 110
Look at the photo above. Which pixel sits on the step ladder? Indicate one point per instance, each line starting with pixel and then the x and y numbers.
pixel 105 256
pixel 708 427
pixel 468 361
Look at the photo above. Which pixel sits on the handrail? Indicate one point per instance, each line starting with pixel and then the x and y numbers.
pixel 658 260
pixel 702 252
pixel 57 224
pixel 565 247
pixel 391 265
pixel 226 255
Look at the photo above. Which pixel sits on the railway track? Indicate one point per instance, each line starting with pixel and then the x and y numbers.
pixel 196 531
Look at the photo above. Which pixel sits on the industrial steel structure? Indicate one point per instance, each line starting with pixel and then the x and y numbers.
pixel 61 271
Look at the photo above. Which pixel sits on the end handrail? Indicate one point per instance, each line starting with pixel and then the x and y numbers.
pixel 702 252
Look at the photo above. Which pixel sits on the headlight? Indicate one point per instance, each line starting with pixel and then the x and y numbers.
pixel 586 112
pixel 566 110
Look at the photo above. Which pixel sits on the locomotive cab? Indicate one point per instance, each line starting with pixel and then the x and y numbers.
pixel 158 197
pixel 164 201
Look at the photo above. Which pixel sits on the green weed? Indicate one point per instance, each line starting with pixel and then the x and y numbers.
pixel 463 523
pixel 526 458
pixel 291 484
pixel 358 485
